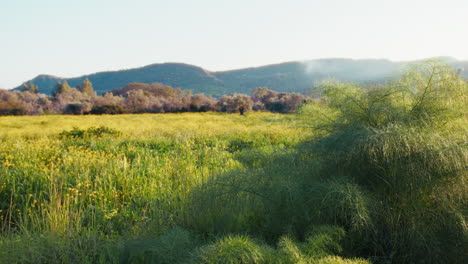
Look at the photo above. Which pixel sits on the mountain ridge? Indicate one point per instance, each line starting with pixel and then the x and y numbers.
pixel 291 76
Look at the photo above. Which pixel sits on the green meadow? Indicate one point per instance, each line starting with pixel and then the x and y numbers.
pixel 362 175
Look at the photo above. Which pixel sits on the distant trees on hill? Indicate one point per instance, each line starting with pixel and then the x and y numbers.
pixel 21 103
pixel 61 87
pixel 269 100
pixel 87 88
pixel 159 98
pixel 139 98
pixel 30 87
pixel 236 103
pixel 107 109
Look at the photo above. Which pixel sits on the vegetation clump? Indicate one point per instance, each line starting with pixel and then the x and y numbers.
pixel 90 132
pixel 232 250
pixel 172 247
pixel 386 164
pixel 139 98
pixel 107 110
pixel 403 145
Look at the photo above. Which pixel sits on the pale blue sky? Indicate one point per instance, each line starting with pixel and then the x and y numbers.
pixel 74 37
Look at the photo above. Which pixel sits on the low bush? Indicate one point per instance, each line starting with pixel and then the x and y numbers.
pixel 7 108
pixel 172 247
pixel 107 110
pixel 74 109
pixel 46 248
pixel 386 164
pixel 234 250
pixel 90 132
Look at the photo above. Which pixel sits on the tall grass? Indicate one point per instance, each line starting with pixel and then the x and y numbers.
pixel 387 164
pixel 62 181
pixel 363 172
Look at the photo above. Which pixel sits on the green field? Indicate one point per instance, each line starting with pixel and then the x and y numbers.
pixel 85 198
pixel 373 175
pixel 129 194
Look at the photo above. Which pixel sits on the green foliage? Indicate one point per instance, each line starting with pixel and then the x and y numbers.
pixel 46 248
pixel 426 94
pixel 87 88
pixel 382 177
pixel 292 252
pixel 324 240
pixel 402 146
pixel 61 87
pixel 341 201
pixel 275 184
pixel 131 190
pixel 320 247
pixel 90 132
pixel 155 89
pixel 233 250
pixel 386 164
pixel 172 247
pixel 340 260
pixel 30 87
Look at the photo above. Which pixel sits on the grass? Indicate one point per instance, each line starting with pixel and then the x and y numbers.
pixel 132 188
pixel 150 125
pixel 376 173
pixel 63 181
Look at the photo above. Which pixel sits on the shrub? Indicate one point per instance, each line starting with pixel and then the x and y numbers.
pixel 107 110
pixel 291 251
pixel 7 108
pixel 339 260
pixel 235 103
pixel 233 250
pixel 74 109
pixel 17 111
pixel 45 248
pixel 324 240
pixel 172 247
pixel 386 164
pixel 402 146
pixel 318 249
pixel 90 132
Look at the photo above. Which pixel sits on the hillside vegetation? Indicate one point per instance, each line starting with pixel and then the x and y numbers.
pixel 294 77
pixel 361 175
pixel 140 98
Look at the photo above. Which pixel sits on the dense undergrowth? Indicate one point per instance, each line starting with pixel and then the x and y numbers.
pixel 376 173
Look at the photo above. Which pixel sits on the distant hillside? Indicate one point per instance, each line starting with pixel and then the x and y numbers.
pixel 174 74
pixel 284 77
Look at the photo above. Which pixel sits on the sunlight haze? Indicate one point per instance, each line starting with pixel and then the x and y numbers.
pixel 72 38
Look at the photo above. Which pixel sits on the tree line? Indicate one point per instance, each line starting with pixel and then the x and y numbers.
pixel 139 98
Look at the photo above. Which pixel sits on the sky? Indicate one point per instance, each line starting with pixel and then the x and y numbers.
pixel 69 38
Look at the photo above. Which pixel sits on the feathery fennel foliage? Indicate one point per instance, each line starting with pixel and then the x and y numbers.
pixel 404 145
pixel 386 163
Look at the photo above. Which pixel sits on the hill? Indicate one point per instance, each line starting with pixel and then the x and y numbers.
pixel 284 77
